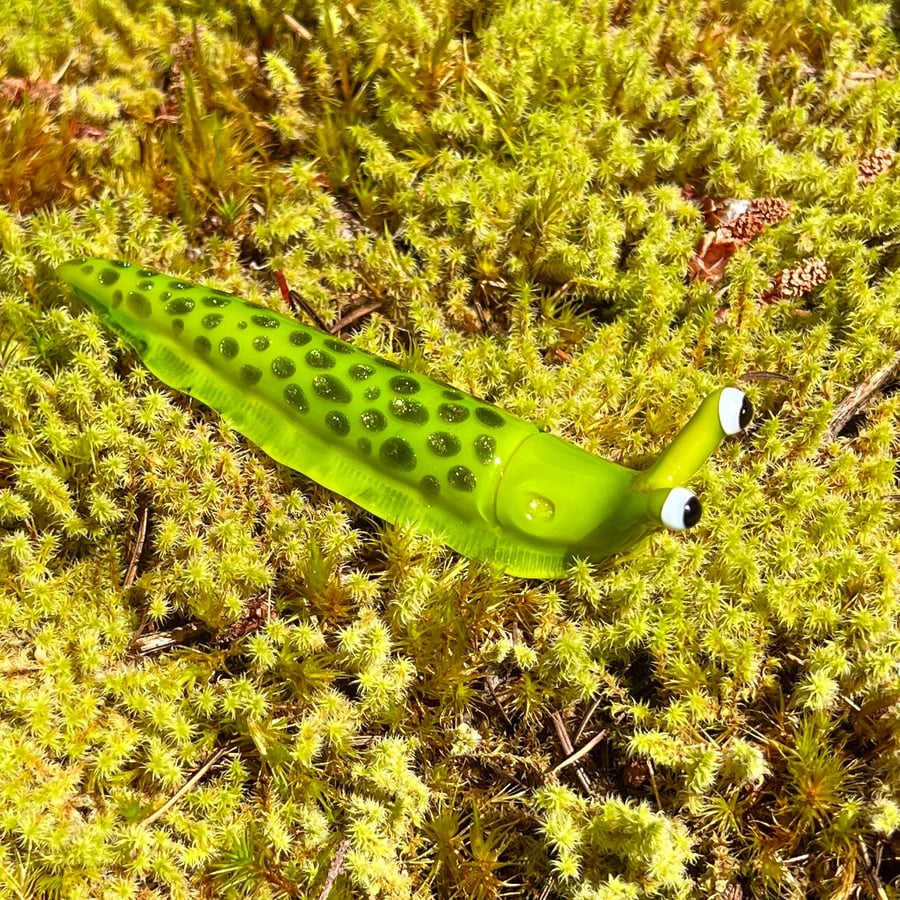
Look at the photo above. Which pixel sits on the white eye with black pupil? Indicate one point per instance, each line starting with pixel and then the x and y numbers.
pixel 735 410
pixel 681 510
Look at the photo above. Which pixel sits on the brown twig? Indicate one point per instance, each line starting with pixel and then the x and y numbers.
pixel 581 751
pixel 765 376
pixel 296 298
pixel 157 641
pixel 565 742
pixel 296 27
pixel 586 718
pixel 137 549
pixel 19 671
pixel 871 872
pixel 653 784
pixel 335 869
pixel 296 302
pixel 562 733
pixel 860 395
pixel 187 786
pixel 489 681
pixel 353 316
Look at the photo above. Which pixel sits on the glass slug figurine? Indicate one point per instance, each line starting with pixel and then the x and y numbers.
pixel 401 445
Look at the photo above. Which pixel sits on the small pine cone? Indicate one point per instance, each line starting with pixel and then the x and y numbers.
pixel 791 283
pixel 759 213
pixel 871 166
pixel 257 614
pixel 636 773
pixel 182 54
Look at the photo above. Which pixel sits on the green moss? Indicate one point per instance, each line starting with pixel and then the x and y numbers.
pixel 514 188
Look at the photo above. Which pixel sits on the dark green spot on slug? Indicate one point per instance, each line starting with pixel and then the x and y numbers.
pixel 330 388
pixel 282 367
pixel 229 348
pixel 461 478
pixel 177 326
pixel 213 320
pixel 216 301
pixel 260 342
pixel 108 276
pixel 408 410
pixel 442 444
pixel 372 393
pixel 178 285
pixel 338 423
pixel 139 305
pixel 431 487
pixel 120 265
pixel 319 359
pixel 265 321
pixel 373 420
pixel 452 395
pixel 365 446
pixel 294 396
pixel 116 298
pixel 338 346
pixel 299 338
pixel 242 325
pixel 360 372
pixel 88 269
pixel 396 453
pixel 489 417
pixel 145 285
pixel 250 374
pixel 147 273
pixel 452 412
pixel 403 384
pixel 485 448
pixel 179 306
pixel 202 345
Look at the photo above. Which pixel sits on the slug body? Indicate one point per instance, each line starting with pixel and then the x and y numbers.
pixel 401 445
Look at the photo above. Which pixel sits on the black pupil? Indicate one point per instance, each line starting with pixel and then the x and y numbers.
pixel 692 512
pixel 746 413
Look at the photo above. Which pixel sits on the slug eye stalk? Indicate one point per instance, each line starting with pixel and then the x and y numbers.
pixel 401 445
pixel 723 413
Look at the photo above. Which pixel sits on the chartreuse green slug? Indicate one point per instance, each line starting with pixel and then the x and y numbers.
pixel 402 446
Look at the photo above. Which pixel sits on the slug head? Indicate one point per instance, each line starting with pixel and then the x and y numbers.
pixel 552 492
